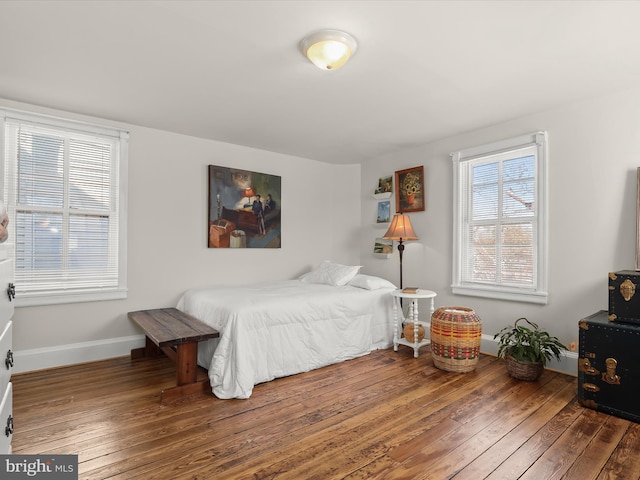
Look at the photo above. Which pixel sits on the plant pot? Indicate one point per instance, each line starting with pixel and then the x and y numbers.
pixel 528 371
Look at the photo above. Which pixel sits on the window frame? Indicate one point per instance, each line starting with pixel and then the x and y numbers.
pixel 119 174
pixel 538 292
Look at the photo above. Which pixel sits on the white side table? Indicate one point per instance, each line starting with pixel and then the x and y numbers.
pixel 412 317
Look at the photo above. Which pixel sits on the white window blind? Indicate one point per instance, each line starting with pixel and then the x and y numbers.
pixel 500 220
pixel 63 190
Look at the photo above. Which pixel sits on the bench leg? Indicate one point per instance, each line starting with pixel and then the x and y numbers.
pixel 185 357
pixel 186 363
pixel 150 349
pixel 174 393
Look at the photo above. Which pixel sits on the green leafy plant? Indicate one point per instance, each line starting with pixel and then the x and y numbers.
pixel 526 344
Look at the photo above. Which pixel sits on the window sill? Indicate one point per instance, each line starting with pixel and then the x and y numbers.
pixel 502 294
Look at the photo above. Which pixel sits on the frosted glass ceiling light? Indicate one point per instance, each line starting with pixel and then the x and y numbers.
pixel 329 49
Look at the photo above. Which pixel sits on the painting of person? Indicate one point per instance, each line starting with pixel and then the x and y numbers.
pixel 244 201
pixel 269 204
pixel 258 211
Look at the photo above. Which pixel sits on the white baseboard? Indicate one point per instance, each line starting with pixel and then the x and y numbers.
pixel 49 357
pixel 41 358
pixel 568 362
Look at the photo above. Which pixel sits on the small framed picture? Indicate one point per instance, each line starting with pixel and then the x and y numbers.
pixel 384 185
pixel 410 190
pixel 384 212
pixel 382 246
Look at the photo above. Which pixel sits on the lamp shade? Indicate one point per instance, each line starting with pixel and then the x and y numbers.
pixel 328 49
pixel 249 192
pixel 400 229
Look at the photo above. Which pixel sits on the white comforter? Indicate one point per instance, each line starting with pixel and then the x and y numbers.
pixel 276 329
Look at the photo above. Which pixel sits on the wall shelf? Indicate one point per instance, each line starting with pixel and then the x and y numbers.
pixel 382 196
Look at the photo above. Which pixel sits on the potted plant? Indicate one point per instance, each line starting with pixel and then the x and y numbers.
pixel 411 186
pixel 527 350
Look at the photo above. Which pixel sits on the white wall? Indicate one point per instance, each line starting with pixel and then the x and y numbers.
pixel 167 238
pixel 594 150
pixel 593 154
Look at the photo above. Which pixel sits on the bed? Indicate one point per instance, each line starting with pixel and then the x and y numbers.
pixel 281 328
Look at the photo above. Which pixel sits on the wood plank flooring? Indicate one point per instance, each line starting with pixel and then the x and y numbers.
pixel 382 416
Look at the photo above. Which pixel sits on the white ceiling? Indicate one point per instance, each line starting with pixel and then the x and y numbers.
pixel 231 70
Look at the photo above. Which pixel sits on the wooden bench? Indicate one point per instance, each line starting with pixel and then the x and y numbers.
pixel 176 334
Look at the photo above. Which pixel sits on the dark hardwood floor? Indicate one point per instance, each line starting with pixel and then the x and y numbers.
pixel 383 416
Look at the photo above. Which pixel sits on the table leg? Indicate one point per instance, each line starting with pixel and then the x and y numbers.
pixel 414 319
pixel 395 324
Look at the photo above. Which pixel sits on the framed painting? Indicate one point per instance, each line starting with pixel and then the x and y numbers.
pixel 244 209
pixel 384 212
pixel 384 185
pixel 383 247
pixel 410 190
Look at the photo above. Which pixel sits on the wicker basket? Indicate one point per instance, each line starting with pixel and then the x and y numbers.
pixel 529 371
pixel 456 333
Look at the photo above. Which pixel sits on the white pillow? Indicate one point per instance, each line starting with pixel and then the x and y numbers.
pixel 369 282
pixel 331 274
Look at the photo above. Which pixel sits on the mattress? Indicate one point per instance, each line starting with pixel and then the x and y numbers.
pixel 275 329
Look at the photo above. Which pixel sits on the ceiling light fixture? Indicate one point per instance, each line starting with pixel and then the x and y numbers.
pixel 328 49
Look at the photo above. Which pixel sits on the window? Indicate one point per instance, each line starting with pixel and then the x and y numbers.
pixel 500 220
pixel 64 187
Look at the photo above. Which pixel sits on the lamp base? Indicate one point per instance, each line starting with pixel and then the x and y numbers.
pixel 400 251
